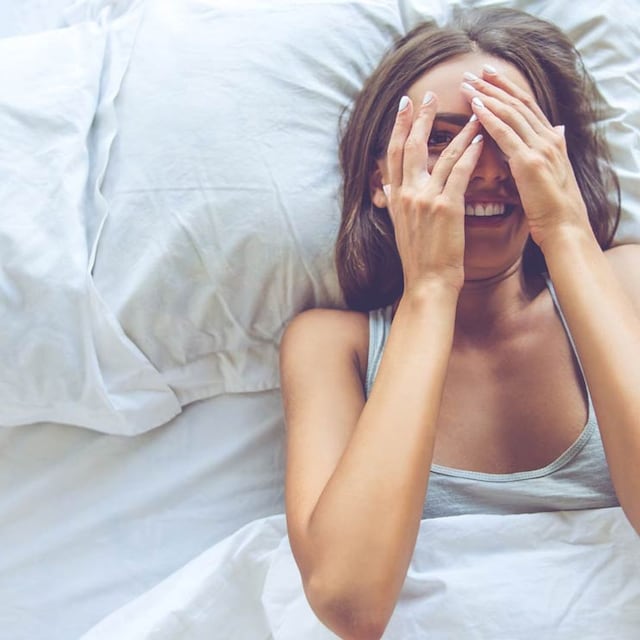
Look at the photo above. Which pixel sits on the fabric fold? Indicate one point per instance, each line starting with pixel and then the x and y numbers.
pixel 522 576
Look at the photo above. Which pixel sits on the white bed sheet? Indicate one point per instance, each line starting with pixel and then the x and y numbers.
pixel 21 17
pixel 89 521
pixel 569 575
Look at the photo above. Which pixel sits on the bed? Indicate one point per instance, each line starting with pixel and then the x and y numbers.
pixel 169 180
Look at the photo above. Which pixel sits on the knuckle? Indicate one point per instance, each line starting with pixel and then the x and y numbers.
pixel 528 100
pixel 464 164
pixel 413 143
pixel 548 151
pixel 441 204
pixel 501 130
pixel 422 200
pixel 406 198
pixel 558 139
pixel 394 150
pixel 513 102
pixel 450 153
pixel 536 161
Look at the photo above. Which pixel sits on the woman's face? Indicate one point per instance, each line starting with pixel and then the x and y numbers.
pixel 493 245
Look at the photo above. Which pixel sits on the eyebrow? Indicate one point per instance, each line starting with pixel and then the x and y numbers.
pixel 459 119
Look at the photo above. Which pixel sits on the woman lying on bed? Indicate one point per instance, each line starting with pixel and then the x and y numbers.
pixel 489 322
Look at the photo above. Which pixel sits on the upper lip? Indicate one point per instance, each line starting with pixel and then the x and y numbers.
pixel 470 199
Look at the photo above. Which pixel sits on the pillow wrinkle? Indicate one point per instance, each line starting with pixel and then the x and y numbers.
pixel 65 358
pixel 240 141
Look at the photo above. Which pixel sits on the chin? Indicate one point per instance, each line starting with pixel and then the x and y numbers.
pixel 490 273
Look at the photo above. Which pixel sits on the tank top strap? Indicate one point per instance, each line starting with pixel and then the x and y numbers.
pixel 379 325
pixel 556 302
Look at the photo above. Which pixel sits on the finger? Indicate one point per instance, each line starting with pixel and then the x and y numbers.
pixel 452 153
pixel 494 77
pixel 491 77
pixel 399 133
pixel 462 170
pixel 506 138
pixel 508 114
pixel 416 153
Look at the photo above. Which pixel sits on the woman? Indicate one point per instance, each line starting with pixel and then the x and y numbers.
pixel 472 254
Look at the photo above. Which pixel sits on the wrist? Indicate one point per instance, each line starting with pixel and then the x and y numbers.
pixel 430 291
pixel 566 240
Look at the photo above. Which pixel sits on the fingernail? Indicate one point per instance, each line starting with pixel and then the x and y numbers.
pixel 477 139
pixel 471 77
pixel 490 69
pixel 467 86
pixel 428 97
pixel 473 118
pixel 387 190
pixel 477 102
pixel 404 103
pixel 560 129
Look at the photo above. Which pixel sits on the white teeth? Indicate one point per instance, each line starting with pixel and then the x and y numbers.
pixel 485 209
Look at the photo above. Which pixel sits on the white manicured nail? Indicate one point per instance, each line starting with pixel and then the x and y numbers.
pixel 490 69
pixel 428 97
pixel 473 118
pixel 478 103
pixel 471 77
pixel 404 103
pixel 477 139
pixel 387 190
pixel 467 86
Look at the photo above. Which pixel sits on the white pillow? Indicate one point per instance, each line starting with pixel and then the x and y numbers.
pixel 64 357
pixel 223 179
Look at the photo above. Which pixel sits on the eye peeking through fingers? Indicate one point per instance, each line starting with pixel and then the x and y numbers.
pixel 440 139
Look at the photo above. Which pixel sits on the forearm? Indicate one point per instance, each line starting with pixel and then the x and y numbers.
pixel 364 526
pixel 606 330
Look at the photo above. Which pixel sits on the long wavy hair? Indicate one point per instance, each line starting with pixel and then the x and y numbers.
pixel 367 260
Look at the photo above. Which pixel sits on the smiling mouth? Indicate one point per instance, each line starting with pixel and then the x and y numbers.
pixel 488 210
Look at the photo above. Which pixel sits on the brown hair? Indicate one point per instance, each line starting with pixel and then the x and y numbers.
pixel 368 264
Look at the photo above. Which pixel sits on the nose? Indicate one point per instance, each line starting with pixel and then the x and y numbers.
pixel 492 165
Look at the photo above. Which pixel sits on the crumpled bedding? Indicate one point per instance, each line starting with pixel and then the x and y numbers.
pixel 64 355
pixel 189 245
pixel 569 575
pixel 89 520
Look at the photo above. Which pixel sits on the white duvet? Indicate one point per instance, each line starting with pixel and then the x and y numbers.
pixel 569 575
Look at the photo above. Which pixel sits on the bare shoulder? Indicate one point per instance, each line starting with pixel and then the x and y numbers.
pixel 332 318
pixel 323 359
pixel 327 333
pixel 625 260
pixel 624 255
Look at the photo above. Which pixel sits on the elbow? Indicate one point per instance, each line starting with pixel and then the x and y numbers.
pixel 352 614
pixel 634 519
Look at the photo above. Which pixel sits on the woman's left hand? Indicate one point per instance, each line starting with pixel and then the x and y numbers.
pixel 536 152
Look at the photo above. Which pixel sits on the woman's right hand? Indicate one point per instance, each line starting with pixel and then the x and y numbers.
pixel 426 203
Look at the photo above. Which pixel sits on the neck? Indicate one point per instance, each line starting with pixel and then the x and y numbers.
pixel 488 308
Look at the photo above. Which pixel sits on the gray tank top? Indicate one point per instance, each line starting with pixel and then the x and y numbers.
pixel 578 479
